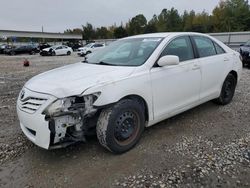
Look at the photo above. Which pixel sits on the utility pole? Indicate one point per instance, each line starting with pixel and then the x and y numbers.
pixel 42 32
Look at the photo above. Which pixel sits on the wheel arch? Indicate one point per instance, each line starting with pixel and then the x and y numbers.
pixel 234 73
pixel 142 101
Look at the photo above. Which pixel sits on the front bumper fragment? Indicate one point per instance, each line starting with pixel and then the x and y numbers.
pixel 32 122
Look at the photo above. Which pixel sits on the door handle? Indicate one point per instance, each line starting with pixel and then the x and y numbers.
pixel 196 67
pixel 226 59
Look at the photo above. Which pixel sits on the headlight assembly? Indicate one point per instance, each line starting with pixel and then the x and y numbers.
pixel 71 104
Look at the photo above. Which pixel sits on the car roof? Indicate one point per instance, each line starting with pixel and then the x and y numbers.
pixel 165 34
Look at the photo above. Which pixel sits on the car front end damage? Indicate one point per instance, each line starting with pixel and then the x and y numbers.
pixel 81 53
pixel 46 53
pixel 52 123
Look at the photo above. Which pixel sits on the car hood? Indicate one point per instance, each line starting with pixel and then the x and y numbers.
pixel 76 78
pixel 83 48
pixel 47 49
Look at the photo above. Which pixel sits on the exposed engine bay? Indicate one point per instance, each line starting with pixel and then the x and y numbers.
pixel 71 119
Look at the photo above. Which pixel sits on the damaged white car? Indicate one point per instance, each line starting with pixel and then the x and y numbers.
pixel 133 83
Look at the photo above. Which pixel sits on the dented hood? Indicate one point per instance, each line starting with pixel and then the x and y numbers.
pixel 76 78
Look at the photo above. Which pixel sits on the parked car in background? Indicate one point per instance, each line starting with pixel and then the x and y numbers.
pixel 26 49
pixel 245 53
pixel 89 48
pixel 2 47
pixel 74 45
pixel 56 50
pixel 7 48
pixel 156 76
pixel 42 46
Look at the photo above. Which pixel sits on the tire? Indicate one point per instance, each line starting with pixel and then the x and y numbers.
pixel 119 128
pixel 68 53
pixel 88 52
pixel 53 53
pixel 32 53
pixel 12 53
pixel 227 91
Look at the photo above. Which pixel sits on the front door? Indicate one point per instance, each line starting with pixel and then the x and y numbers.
pixel 177 86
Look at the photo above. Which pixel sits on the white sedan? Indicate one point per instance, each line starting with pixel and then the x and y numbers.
pixel 133 83
pixel 56 50
pixel 90 48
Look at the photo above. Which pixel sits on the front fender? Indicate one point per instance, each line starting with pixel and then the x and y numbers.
pixel 112 92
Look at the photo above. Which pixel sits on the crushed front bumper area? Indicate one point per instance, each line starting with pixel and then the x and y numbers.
pixel 50 132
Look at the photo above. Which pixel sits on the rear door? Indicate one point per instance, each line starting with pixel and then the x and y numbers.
pixel 59 50
pixel 176 87
pixel 65 50
pixel 213 61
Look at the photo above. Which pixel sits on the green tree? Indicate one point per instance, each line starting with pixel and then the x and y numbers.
pixel 88 32
pixel 232 15
pixel 202 22
pixel 169 20
pixel 151 27
pixel 174 21
pixel 120 32
pixel 188 18
pixel 137 25
pixel 227 16
pixel 102 33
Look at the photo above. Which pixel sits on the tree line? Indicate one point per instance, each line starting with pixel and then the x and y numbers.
pixel 227 16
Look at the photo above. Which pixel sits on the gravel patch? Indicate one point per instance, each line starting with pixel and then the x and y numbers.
pixel 13 149
pixel 211 164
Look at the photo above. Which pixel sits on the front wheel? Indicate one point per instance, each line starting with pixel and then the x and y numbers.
pixel 68 53
pixel 120 127
pixel 227 91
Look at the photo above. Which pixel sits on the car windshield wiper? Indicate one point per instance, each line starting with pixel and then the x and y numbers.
pixel 105 63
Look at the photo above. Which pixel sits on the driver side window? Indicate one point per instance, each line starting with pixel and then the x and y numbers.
pixel 180 47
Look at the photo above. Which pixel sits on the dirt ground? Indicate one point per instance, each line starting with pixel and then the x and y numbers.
pixel 208 146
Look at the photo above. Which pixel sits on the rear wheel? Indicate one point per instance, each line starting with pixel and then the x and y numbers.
pixel 227 91
pixel 119 128
pixel 32 53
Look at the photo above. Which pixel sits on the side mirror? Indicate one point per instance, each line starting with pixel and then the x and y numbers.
pixel 168 60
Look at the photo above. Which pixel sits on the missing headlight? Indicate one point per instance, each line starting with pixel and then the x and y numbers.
pixel 68 117
pixel 83 104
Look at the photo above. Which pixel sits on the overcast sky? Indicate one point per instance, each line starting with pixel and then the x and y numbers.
pixel 58 15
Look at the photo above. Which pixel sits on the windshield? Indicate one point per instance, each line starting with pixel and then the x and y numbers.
pixel 126 52
pixel 88 45
pixel 54 47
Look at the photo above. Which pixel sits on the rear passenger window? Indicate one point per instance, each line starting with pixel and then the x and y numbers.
pixel 180 47
pixel 219 49
pixel 205 46
pixel 98 45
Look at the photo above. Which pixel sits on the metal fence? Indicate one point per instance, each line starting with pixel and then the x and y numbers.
pixel 232 39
